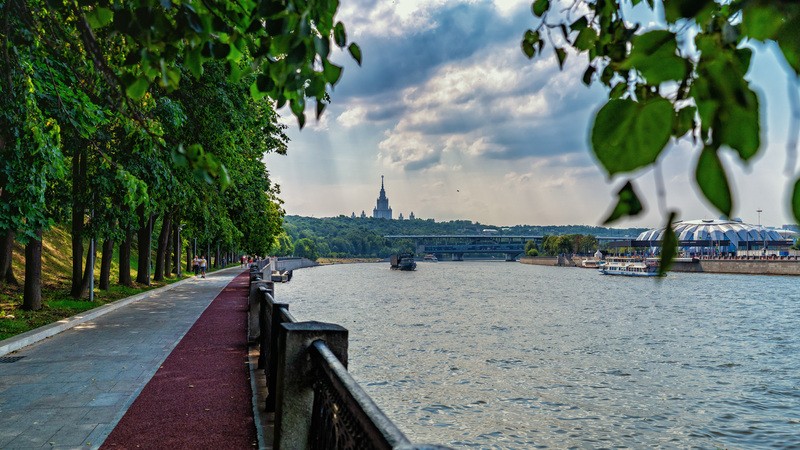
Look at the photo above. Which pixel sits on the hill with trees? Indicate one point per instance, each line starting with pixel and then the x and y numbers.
pixel 345 237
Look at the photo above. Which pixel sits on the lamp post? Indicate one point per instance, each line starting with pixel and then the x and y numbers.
pixel 759 211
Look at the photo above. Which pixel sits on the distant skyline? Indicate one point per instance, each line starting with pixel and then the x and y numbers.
pixel 464 127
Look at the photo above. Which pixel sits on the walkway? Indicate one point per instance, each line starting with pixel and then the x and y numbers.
pixel 72 389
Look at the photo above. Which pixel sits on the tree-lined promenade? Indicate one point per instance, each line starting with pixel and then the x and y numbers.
pixel 142 125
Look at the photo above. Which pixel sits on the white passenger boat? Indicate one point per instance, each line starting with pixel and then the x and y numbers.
pixel 592 263
pixel 630 267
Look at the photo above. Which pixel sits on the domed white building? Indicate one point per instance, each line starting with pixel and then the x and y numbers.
pixel 727 236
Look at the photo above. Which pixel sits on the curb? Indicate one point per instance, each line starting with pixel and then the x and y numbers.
pixel 19 341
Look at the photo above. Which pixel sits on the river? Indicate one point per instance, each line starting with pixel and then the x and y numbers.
pixel 506 355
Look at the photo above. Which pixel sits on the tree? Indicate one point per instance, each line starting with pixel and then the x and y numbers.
pixel 682 80
pixel 530 245
pixel 305 248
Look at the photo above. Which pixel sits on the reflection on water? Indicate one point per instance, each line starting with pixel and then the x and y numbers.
pixel 506 355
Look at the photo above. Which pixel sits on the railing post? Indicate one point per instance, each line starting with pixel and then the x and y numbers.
pixel 253 312
pixel 295 379
pixel 269 342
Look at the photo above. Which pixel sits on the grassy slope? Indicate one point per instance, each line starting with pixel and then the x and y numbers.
pixel 56 279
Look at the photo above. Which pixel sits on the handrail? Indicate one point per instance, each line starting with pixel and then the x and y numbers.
pixel 343 412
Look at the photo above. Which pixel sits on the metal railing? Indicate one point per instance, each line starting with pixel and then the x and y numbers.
pixel 316 402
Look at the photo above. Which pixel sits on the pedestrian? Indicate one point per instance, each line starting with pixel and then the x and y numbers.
pixel 196 265
pixel 203 264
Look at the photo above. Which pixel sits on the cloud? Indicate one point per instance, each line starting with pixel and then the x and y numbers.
pixel 403 42
pixel 496 106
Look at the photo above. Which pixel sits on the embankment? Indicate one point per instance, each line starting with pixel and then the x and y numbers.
pixel 750 267
pixel 738 266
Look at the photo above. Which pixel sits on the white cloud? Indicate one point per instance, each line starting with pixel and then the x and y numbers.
pixel 352 116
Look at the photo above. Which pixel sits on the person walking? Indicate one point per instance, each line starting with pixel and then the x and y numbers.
pixel 196 265
pixel 203 264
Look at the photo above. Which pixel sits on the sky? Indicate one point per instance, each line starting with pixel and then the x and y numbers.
pixel 464 127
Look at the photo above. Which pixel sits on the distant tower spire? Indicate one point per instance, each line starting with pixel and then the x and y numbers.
pixel 382 209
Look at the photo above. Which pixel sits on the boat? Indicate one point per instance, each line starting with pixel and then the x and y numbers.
pixel 403 261
pixel 631 267
pixel 592 263
pixel 430 257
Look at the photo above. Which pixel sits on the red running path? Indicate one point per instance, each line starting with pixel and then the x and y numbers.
pixel 200 397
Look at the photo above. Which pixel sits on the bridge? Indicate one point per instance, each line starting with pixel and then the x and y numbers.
pixel 458 245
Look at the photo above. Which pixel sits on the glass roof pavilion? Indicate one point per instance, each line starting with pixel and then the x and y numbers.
pixel 735 232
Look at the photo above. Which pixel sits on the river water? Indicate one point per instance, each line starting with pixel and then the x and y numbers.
pixel 507 355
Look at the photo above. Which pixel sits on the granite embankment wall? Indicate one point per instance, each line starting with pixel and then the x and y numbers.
pixel 294 263
pixel 750 267
pixel 540 260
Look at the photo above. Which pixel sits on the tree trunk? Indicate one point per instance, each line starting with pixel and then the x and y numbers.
pixel 91 256
pixel 105 264
pixel 32 294
pixel 78 175
pixel 145 236
pixel 176 247
pixel 125 259
pixel 6 255
pixel 168 253
pixel 163 248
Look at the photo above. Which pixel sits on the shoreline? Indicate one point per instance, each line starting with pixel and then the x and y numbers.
pixel 331 261
pixel 729 266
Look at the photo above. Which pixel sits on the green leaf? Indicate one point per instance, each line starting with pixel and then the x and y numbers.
pixel 320 108
pixel 540 7
pixel 669 245
pixel 713 181
pixel 355 52
pixel 332 72
pixel 628 204
pixel 684 121
pixel 678 9
pixel 586 39
pixel 654 54
pixel 99 17
pixel 562 56
pixel 528 49
pixel 789 42
pixel 739 128
pixel 529 41
pixel 194 61
pixel 761 22
pixel 339 35
pixel 137 89
pixel 265 83
pixel 587 75
pixel 579 24
pixel 796 201
pixel 627 135
pixel 618 90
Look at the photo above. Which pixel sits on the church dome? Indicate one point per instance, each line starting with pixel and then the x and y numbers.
pixel 715 230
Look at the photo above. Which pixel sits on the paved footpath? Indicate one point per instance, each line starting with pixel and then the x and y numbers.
pixel 70 390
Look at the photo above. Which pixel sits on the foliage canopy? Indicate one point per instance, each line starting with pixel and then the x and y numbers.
pixel 684 78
